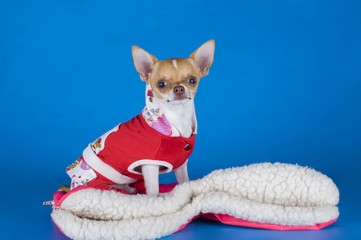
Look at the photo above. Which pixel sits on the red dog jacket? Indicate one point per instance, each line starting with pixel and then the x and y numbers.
pixel 117 156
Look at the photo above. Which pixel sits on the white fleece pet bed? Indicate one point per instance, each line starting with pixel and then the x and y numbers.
pixel 271 196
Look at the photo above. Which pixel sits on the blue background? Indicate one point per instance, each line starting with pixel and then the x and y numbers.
pixel 284 87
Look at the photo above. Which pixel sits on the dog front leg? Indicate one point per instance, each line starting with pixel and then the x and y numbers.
pixel 151 180
pixel 181 173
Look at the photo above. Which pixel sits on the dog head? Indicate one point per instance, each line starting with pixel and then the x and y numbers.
pixel 175 80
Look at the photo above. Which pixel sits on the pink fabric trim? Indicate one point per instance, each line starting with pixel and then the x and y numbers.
pixel 164 188
pixel 190 220
pixel 227 219
pixel 60 196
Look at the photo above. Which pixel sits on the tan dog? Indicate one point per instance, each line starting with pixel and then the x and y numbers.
pixel 173 83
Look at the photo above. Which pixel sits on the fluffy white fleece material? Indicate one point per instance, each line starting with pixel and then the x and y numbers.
pixel 277 193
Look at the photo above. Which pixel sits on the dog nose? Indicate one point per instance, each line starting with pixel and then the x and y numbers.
pixel 178 90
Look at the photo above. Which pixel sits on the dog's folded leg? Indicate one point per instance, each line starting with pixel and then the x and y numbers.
pixel 64 188
pixel 181 173
pixel 151 180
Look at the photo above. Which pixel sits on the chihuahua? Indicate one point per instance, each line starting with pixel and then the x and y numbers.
pixel 160 139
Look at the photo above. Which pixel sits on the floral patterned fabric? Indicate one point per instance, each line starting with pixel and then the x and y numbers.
pixel 154 116
pixel 80 173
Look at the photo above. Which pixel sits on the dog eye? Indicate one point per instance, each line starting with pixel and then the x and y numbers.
pixel 162 83
pixel 192 80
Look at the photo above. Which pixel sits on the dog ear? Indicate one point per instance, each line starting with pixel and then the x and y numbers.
pixel 203 57
pixel 143 62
